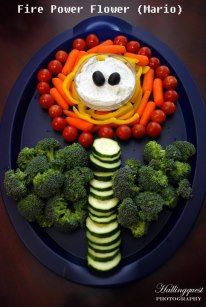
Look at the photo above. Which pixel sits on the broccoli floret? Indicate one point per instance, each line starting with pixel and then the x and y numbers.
pixel 38 164
pixel 48 184
pixel 81 204
pixel 153 150
pixel 162 164
pixel 139 229
pixel 42 221
pixel 172 152
pixel 124 183
pixel 15 184
pixel 135 165
pixel 68 222
pixel 81 216
pixel 127 213
pixel 86 173
pixel 184 189
pixel 187 150
pixel 58 164
pixel 170 196
pixel 73 155
pixel 149 205
pixel 47 147
pixel 55 208
pixel 30 207
pixel 180 171
pixel 25 156
pixel 151 180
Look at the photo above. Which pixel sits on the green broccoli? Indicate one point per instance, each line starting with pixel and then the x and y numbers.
pixel 68 222
pixel 85 173
pixel 153 150
pixel 80 204
pixel 42 221
pixel 74 185
pixel 124 183
pixel 47 147
pixel 73 155
pixel 151 180
pixel 128 213
pixel 58 164
pixel 55 208
pixel 170 196
pixel 181 170
pixel 162 164
pixel 187 150
pixel 184 189
pixel 172 152
pixel 30 207
pixel 15 184
pixel 81 216
pixel 149 205
pixel 48 184
pixel 135 165
pixel 38 164
pixel 139 229
pixel 25 156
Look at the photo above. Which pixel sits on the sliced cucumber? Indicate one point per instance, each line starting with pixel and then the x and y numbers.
pixel 102 195
pixel 107 160
pixel 99 213
pixel 105 147
pixel 103 255
pixel 102 248
pixel 103 166
pixel 106 265
pixel 101 185
pixel 103 220
pixel 103 176
pixel 107 241
pixel 103 205
pixel 99 229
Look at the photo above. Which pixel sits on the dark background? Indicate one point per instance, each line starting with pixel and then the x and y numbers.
pixel 23 280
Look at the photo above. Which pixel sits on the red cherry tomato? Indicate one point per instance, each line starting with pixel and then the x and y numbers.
pixel 55 67
pixel 92 41
pixel 124 132
pixel 79 44
pixel 170 82
pixel 154 62
pixel 171 95
pixel 86 139
pixel 46 101
pixel 133 46
pixel 106 132
pixel 44 75
pixel 43 88
pixel 138 131
pixel 153 129
pixel 70 134
pixel 168 107
pixel 120 40
pixel 59 123
pixel 158 116
pixel 61 56
pixel 55 111
pixel 162 72
pixel 145 51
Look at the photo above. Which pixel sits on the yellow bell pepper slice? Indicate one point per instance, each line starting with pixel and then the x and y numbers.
pixel 124 109
pixel 137 102
pixel 127 115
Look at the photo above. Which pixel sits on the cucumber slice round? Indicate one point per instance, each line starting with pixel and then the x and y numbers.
pixel 102 195
pixel 106 241
pixel 101 185
pixel 103 205
pixel 103 220
pixel 103 166
pixel 102 255
pixel 99 213
pixel 103 176
pixel 101 248
pixel 107 160
pixel 105 147
pixel 97 229
pixel 104 266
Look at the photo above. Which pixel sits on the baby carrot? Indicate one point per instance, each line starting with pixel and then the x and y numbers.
pixel 158 92
pixel 148 81
pixel 61 77
pixel 150 107
pixel 69 65
pixel 58 84
pixel 108 42
pixel 79 123
pixel 143 59
pixel 143 103
pixel 70 113
pixel 118 49
pixel 58 98
pixel 80 55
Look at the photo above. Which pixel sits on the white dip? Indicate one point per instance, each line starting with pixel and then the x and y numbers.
pixel 105 97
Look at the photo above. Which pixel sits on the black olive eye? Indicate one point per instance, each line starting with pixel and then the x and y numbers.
pixel 98 78
pixel 114 78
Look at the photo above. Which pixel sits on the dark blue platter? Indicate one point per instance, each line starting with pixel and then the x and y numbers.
pixel 24 123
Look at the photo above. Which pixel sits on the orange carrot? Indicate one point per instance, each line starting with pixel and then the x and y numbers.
pixel 150 107
pixel 108 42
pixel 79 123
pixel 58 98
pixel 69 64
pixel 143 103
pixel 118 49
pixel 58 84
pixel 143 59
pixel 80 55
pixel 70 113
pixel 61 77
pixel 148 81
pixel 158 92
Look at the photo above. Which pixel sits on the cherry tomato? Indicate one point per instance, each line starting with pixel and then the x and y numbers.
pixel 133 46
pixel 59 123
pixel 153 129
pixel 44 75
pixel 92 41
pixel 162 72
pixel 70 134
pixel 154 62
pixel 171 95
pixel 55 67
pixel 55 111
pixel 43 88
pixel 61 56
pixel 86 139
pixel 145 51
pixel 170 82
pixel 168 107
pixel 158 116
pixel 46 101
pixel 138 131
pixel 79 44
pixel 124 132
pixel 106 132
pixel 120 40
